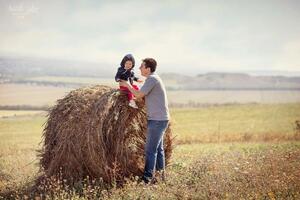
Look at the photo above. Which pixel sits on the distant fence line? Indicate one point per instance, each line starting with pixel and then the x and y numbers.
pixel 23 107
pixel 168 88
pixel 48 83
pixel 171 105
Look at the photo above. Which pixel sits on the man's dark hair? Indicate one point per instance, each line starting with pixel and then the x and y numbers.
pixel 150 63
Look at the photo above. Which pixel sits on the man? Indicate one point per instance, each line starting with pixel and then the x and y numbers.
pixel 158 117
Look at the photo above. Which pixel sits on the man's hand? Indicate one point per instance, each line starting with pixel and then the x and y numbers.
pixel 138 94
pixel 139 81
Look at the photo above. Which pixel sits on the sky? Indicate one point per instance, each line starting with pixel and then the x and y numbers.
pixel 183 36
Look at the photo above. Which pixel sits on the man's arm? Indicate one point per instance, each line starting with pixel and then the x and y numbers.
pixel 138 94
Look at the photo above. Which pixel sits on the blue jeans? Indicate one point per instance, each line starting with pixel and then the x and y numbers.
pixel 154 148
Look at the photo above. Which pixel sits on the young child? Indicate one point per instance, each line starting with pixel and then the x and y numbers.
pixel 126 73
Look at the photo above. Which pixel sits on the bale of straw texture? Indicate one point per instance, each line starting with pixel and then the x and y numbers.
pixel 92 132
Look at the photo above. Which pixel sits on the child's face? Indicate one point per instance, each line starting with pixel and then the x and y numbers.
pixel 128 64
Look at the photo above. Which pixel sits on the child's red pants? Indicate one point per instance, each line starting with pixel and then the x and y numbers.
pixel 129 94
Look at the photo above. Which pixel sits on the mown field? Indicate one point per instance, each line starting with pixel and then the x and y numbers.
pixel 222 152
pixel 251 122
pixel 45 95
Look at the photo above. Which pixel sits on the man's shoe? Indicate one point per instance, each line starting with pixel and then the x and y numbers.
pixel 146 180
pixel 154 180
pixel 161 175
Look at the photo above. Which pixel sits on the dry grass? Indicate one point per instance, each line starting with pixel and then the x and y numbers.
pixel 249 170
pixel 207 171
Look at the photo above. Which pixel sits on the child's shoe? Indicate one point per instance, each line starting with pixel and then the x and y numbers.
pixel 133 104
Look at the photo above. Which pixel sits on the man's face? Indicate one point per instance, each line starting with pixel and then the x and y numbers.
pixel 128 65
pixel 144 71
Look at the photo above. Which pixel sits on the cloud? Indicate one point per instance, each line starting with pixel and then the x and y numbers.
pixel 194 35
pixel 289 58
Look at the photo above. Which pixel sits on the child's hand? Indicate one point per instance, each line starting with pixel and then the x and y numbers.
pixel 139 81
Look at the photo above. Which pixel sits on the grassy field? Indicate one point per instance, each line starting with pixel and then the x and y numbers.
pixel 233 96
pixel 38 95
pixel 254 122
pixel 21 94
pixel 9 113
pixel 221 153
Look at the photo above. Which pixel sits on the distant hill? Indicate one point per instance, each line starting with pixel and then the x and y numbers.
pixel 49 67
pixel 17 70
pixel 230 81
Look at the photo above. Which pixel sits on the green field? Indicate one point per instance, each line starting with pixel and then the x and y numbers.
pixel 222 152
pixel 254 122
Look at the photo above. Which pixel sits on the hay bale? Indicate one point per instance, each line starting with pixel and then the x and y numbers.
pixel 93 132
